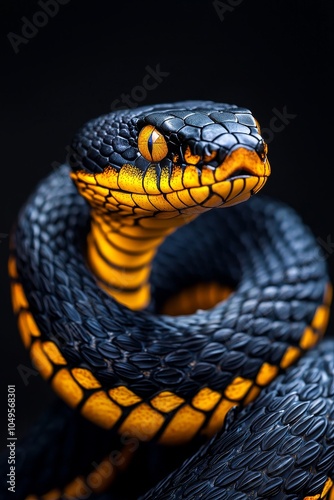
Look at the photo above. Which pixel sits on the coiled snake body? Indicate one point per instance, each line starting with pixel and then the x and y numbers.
pixel 164 335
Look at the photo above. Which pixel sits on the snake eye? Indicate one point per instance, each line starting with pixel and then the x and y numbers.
pixel 152 144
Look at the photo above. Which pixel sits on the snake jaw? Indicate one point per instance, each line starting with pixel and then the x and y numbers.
pixel 185 189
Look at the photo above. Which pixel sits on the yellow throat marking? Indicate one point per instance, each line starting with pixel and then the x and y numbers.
pixel 133 212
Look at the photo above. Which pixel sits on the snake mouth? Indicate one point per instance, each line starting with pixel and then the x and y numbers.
pixel 187 189
pixel 236 189
pixel 241 173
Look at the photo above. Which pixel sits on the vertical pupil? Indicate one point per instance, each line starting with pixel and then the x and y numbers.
pixel 150 143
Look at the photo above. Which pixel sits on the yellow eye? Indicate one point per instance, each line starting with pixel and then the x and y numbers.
pixel 152 144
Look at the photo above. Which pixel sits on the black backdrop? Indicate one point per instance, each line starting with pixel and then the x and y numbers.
pixel 271 56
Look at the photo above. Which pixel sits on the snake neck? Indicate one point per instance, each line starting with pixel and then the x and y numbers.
pixel 120 251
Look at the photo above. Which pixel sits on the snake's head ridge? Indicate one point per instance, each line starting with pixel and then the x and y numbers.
pixel 202 153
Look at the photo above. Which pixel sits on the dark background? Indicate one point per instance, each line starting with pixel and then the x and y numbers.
pixel 267 56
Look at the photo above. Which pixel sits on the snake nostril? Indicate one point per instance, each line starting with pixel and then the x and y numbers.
pixel 262 150
pixel 221 155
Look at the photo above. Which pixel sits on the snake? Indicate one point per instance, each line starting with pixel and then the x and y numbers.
pixel 163 322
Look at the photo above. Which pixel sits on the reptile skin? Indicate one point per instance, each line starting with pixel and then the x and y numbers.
pixel 93 281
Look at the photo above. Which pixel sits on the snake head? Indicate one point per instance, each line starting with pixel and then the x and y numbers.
pixel 185 157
